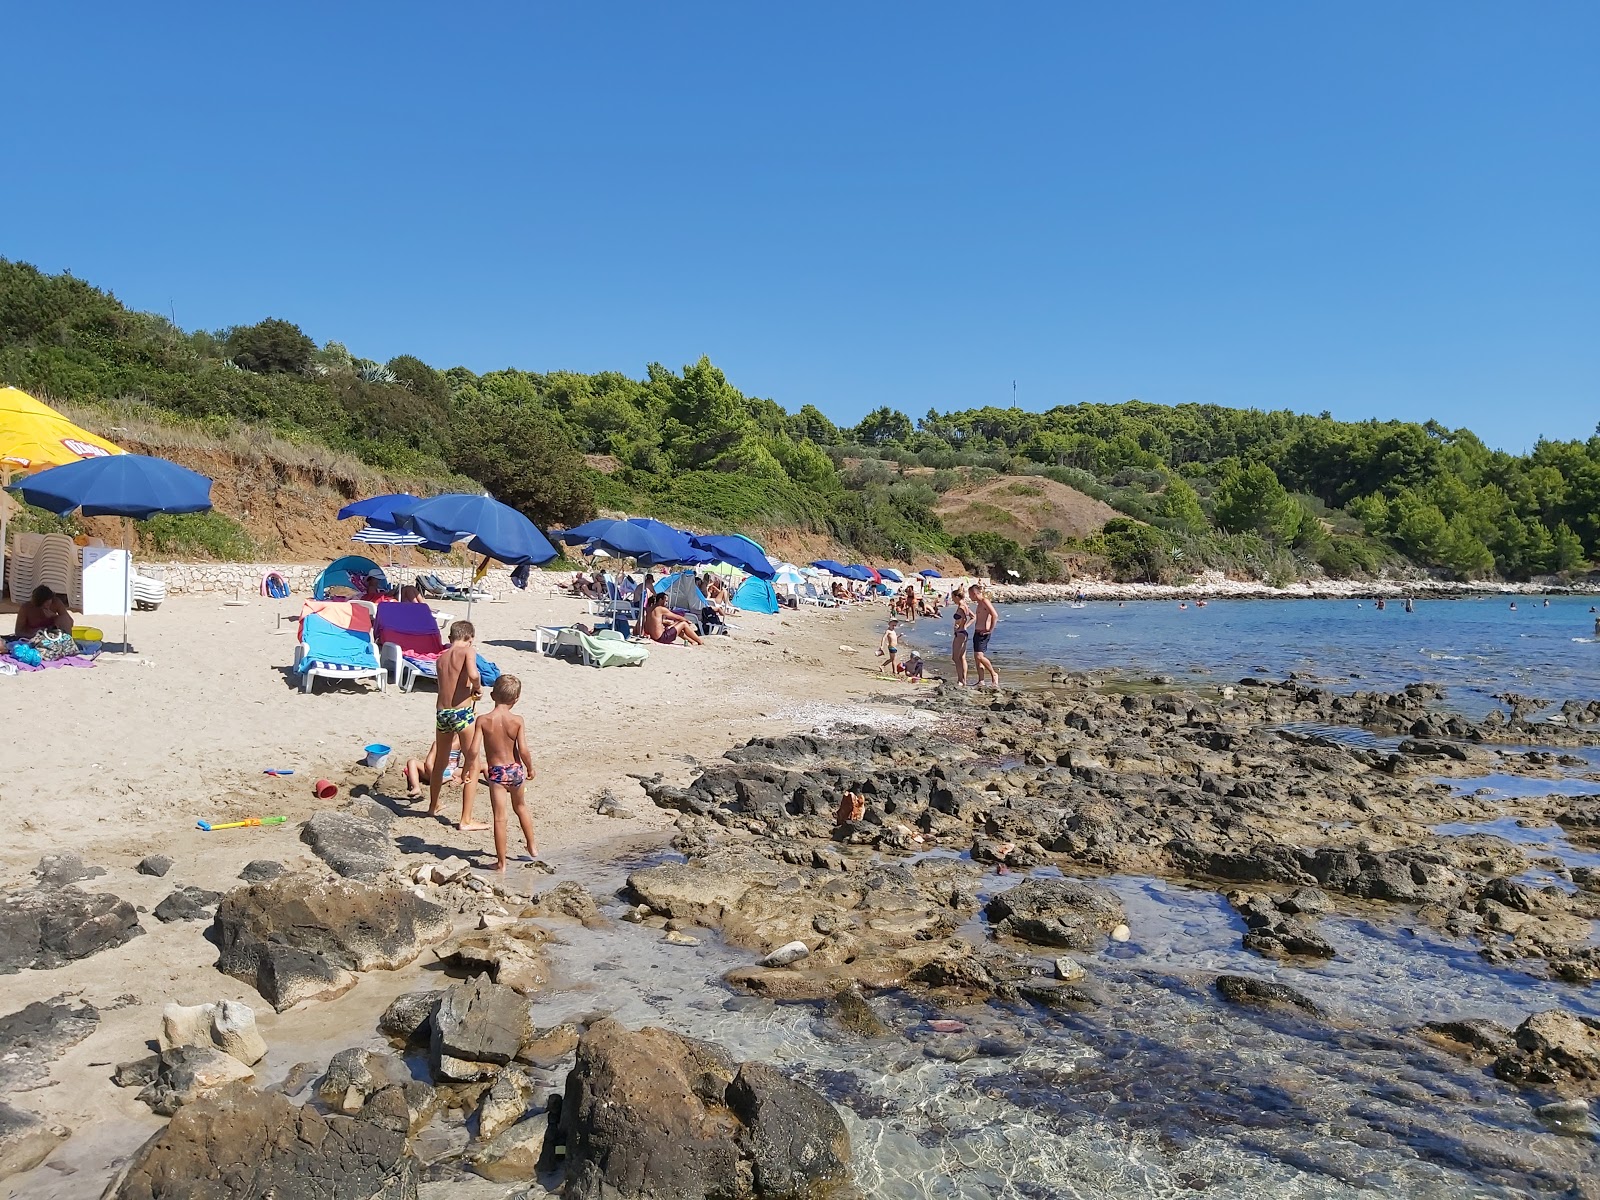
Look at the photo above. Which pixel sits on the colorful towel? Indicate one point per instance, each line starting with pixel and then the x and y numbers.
pixel 72 660
pixel 337 635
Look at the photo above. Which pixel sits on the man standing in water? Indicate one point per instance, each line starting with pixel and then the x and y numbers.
pixel 982 630
pixel 454 712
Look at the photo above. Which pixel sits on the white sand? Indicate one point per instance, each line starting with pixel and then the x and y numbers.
pixel 119 761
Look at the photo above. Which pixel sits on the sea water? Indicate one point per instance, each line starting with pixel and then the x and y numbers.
pixel 1476 647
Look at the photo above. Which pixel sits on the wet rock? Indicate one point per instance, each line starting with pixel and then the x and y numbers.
pixel 299 937
pixel 26 1140
pixel 58 870
pixel 33 1037
pixel 355 846
pixel 242 1144
pixel 186 904
pixel 505 1103
pixel 794 1140
pixel 678 938
pixel 354 1076
pixel 1056 912
pixel 855 1012
pixel 403 1108
pixel 1567 1114
pixel 478 1028
pixel 408 1021
pixel 566 900
pixel 227 1025
pixel 1262 993
pixel 1273 932
pixel 1069 970
pixel 1475 1035
pixel 655 1114
pixel 48 927
pixel 184 1074
pixel 260 870
pixel 790 952
pixel 511 955
pixel 155 864
pixel 547 1047
pixel 512 1155
pixel 1555 1050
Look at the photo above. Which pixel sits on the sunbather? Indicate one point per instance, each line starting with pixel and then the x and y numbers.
pixel 662 625
pixel 43 611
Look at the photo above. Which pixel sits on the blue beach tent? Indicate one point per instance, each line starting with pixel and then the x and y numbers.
pixel 348 572
pixel 756 595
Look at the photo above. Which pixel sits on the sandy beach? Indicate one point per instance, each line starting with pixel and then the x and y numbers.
pixel 119 761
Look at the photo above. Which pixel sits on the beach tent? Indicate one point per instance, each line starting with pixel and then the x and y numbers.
pixel 682 592
pixel 34 436
pixel 756 595
pixel 350 571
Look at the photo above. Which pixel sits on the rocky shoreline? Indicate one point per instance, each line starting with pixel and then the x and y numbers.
pixel 942 889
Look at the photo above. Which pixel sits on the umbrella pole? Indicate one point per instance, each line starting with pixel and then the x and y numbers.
pixel 127 583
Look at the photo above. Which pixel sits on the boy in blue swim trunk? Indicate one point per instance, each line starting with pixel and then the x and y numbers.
pixel 454 712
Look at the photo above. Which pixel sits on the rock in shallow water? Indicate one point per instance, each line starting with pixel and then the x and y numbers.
pixel 1262 993
pixel 655 1114
pixel 1555 1050
pixel 1057 912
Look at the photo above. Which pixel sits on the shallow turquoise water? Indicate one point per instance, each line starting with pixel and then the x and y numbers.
pixel 1476 647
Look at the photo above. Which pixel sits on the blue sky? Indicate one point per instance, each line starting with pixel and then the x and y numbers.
pixel 1371 208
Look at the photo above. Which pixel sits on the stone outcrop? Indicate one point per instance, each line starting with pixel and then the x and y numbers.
pixel 241 1144
pixel 356 843
pixel 50 926
pixel 300 937
pixel 1555 1051
pixel 1068 913
pixel 26 1140
pixel 226 1025
pixel 477 1029
pixel 654 1114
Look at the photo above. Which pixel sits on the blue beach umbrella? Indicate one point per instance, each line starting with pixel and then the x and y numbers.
pixel 930 573
pixel 381 511
pixel 625 539
pixel 487 526
pixel 121 485
pixel 833 568
pixel 682 543
pixel 739 551
pixel 891 575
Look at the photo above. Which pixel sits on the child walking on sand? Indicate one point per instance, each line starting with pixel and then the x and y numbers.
pixel 505 747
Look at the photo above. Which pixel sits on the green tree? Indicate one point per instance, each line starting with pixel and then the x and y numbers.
pixel 1567 549
pixel 1179 504
pixel 1252 500
pixel 810 424
pixel 418 378
pixel 883 427
pixel 271 347
pixel 524 461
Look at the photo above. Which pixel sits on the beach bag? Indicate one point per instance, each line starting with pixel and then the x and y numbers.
pixel 275 586
pixel 53 644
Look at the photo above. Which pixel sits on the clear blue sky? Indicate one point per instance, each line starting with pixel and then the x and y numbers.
pixel 1380 209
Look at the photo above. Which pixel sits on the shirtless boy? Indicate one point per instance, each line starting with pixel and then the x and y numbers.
pixel 889 647
pixel 505 745
pixel 985 619
pixel 454 712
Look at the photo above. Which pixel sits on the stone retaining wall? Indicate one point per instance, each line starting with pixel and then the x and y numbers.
pixel 243 579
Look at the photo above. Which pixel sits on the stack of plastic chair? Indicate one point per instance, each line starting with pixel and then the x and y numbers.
pixel 20 573
pixel 56 565
pixel 148 593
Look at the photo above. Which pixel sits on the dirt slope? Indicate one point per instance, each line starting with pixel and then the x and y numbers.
pixel 1021 508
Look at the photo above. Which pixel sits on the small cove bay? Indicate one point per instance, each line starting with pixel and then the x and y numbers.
pixel 1474 647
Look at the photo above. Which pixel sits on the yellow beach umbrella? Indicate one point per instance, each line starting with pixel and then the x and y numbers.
pixel 34 436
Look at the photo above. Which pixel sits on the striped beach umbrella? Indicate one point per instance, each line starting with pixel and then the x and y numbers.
pixel 371 535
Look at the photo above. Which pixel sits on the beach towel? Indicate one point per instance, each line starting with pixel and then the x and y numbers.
pixel 410 627
pixel 337 634
pixel 23 668
pixel 612 650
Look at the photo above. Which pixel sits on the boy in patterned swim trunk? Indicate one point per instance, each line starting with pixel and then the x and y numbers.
pixel 505 745
pixel 454 712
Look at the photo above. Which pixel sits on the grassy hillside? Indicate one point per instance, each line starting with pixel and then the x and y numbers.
pixel 1276 495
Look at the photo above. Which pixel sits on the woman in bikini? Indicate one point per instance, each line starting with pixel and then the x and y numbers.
pixel 961 617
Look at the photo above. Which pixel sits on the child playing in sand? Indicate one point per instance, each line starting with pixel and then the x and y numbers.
pixel 454 712
pixel 420 770
pixel 505 747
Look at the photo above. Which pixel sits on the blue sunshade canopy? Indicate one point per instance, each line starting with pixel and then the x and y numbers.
pixel 120 485
pixel 383 511
pixel 738 551
pixel 486 525
pixel 930 573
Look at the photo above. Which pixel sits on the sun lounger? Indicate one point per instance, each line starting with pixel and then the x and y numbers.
pixel 409 641
pixel 434 588
pixel 336 643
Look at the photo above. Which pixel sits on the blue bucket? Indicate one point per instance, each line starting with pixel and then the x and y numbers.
pixel 378 755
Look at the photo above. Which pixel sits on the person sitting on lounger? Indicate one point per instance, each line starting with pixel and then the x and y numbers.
pixel 662 625
pixel 44 610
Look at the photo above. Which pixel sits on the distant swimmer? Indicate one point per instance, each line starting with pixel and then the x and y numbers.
pixel 1547 604
pixel 1200 603
pixel 1183 604
pixel 1410 607
pixel 1513 606
pixel 1382 604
